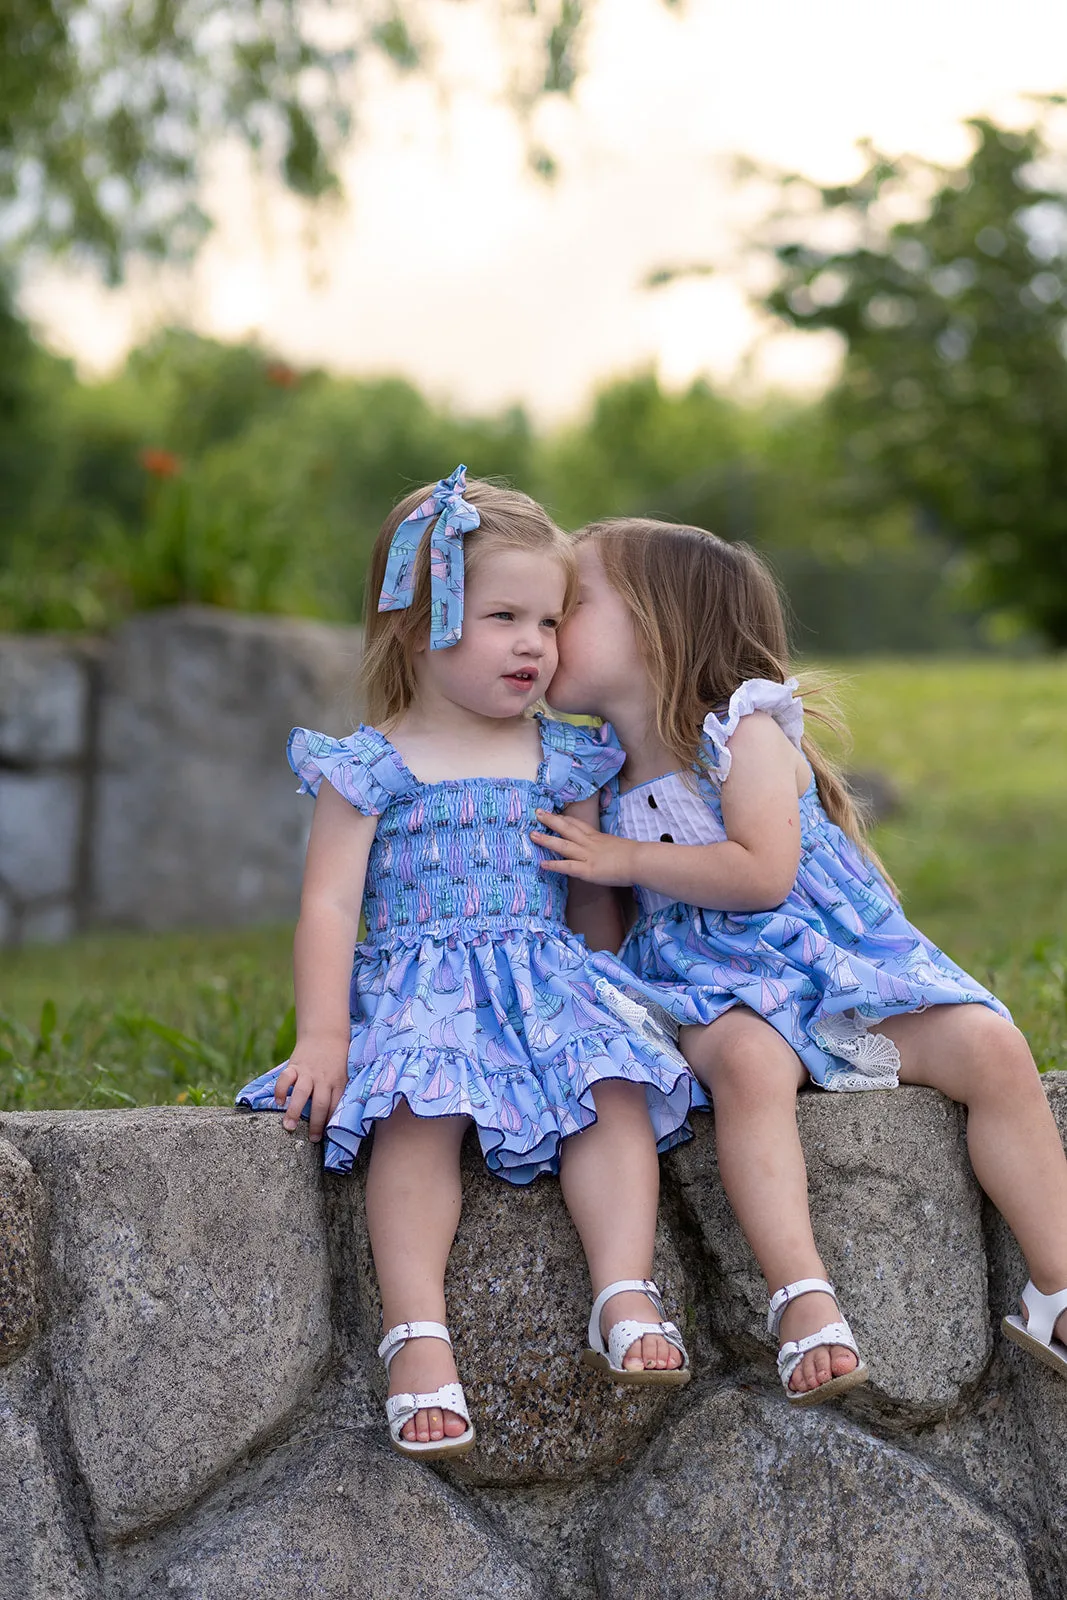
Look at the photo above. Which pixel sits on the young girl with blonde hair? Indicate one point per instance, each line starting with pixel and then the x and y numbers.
pixel 768 930
pixel 470 1000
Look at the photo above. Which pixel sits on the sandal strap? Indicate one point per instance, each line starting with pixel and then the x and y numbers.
pixel 623 1334
pixel 643 1286
pixel 793 1291
pixel 399 1336
pixel 793 1351
pixel 1042 1312
pixel 400 1408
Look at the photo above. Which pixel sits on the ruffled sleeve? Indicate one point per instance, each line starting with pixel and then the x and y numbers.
pixel 364 768
pixel 755 694
pixel 578 760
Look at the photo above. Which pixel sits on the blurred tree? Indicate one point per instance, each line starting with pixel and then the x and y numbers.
pixel 949 290
pixel 107 107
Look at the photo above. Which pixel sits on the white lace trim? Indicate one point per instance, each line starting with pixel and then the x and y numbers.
pixel 645 1019
pixel 755 694
pixel 875 1060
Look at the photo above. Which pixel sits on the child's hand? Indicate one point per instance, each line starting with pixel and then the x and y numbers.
pixel 310 1076
pixel 585 852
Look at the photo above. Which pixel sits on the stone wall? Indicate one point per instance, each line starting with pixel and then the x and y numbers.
pixel 190 1402
pixel 143 781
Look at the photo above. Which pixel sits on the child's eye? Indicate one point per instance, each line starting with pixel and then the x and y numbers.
pixel 505 616
pixel 550 622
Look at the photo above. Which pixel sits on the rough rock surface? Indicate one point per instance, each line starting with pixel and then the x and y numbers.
pixel 185 1422
pixel 43 1554
pixel 200 822
pixel 745 1499
pixel 18 1267
pixel 897 1217
pixel 1012 1445
pixel 337 1517
pixel 43 695
pixel 518 1305
pixel 39 832
pixel 188 1293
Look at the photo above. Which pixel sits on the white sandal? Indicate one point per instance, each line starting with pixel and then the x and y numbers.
pixel 400 1408
pixel 607 1358
pixel 793 1351
pixel 1035 1335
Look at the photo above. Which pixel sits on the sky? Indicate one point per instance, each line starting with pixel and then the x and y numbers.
pixel 450 263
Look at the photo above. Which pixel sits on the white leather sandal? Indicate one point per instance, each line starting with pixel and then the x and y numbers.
pixel 607 1358
pixel 400 1408
pixel 1035 1335
pixel 793 1351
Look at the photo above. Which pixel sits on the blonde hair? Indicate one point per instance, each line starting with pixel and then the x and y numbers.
pixel 708 615
pixel 510 520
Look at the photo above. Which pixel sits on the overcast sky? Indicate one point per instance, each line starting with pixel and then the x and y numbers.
pixel 450 264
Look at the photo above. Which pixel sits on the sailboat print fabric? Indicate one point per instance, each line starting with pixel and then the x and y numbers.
pixel 835 956
pixel 470 996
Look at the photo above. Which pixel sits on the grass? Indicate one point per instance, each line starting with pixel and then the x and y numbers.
pixel 133 1019
pixel 977 750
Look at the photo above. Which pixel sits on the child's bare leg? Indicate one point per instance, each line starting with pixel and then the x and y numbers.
pixel 609 1174
pixel 753 1075
pixel 413 1206
pixel 978 1058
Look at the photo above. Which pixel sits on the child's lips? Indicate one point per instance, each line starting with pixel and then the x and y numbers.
pixel 526 676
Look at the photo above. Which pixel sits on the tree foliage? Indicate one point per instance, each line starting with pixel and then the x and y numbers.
pixel 108 107
pixel 953 313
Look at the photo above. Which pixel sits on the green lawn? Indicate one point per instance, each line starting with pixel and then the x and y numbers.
pixel 979 851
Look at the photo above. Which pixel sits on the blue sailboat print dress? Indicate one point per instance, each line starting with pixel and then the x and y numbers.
pixel 470 996
pixel 835 956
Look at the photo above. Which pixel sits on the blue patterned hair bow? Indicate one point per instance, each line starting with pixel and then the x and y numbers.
pixel 452 517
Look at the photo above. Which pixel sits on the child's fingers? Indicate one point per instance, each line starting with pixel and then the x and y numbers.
pixel 549 841
pixel 297 1101
pixel 283 1083
pixel 320 1112
pixel 570 869
pixel 566 827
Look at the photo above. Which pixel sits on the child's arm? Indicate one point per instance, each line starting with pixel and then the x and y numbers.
pixel 325 939
pixel 752 870
pixel 592 910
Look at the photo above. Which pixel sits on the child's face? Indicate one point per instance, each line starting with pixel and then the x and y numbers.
pixel 506 654
pixel 599 662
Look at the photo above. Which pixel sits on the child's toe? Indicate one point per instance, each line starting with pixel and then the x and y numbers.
pixel 842 1360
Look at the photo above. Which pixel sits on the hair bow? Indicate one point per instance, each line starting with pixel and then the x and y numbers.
pixel 452 517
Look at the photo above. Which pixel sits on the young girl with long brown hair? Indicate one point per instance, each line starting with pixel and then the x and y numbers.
pixel 768 930
pixel 469 1000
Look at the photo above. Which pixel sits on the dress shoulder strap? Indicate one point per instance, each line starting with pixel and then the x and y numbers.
pixel 755 694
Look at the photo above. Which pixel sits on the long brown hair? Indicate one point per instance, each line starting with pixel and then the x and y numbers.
pixel 390 638
pixel 708 615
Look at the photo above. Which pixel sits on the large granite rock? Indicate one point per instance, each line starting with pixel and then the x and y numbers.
pixel 897 1217
pixel 43 1552
pixel 39 832
pixel 187 1296
pixel 518 1304
pixel 199 819
pixel 44 695
pixel 339 1517
pixel 18 1266
pixel 1011 1445
pixel 745 1498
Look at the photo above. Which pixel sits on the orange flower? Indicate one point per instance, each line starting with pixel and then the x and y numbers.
pixel 160 463
pixel 282 375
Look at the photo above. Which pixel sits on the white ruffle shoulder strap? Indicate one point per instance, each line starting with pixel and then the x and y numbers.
pixel 755 694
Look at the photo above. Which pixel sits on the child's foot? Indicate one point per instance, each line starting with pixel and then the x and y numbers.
pixel 420 1367
pixel 805 1316
pixel 651 1353
pixel 1059 1330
